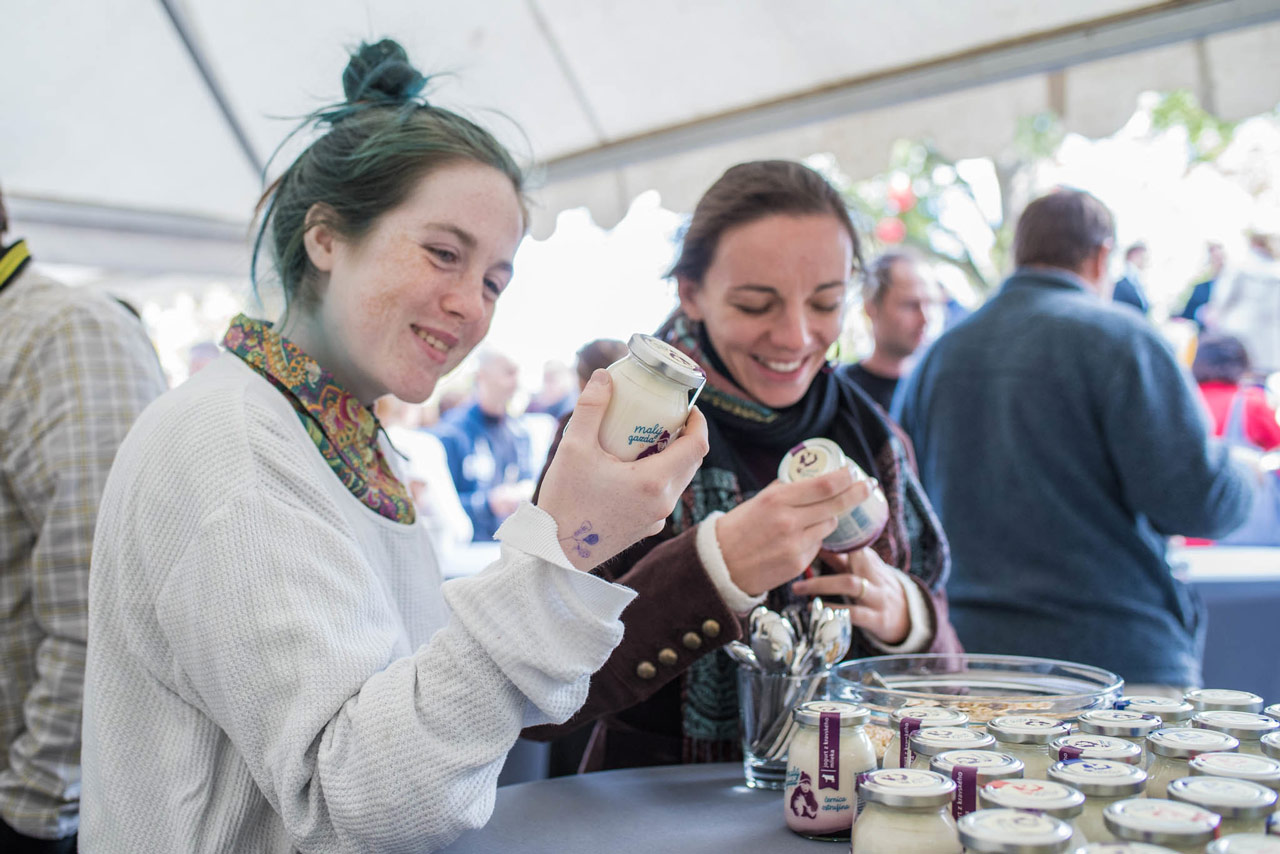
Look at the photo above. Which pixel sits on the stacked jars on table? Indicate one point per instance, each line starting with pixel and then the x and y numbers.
pixel 906 811
pixel 970 770
pixel 999 831
pixel 1172 748
pixel 1047 797
pixel 1180 827
pixel 1244 806
pixel 1132 724
pixel 928 743
pixel 907 721
pixel 1246 727
pixel 1028 737
pixel 1103 782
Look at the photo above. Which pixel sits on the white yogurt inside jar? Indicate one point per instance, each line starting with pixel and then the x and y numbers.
pixel 828 752
pixel 654 387
pixel 862 524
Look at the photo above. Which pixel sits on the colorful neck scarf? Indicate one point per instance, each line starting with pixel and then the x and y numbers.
pixel 13 259
pixel 344 430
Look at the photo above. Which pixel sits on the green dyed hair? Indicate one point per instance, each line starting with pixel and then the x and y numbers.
pixel 381 141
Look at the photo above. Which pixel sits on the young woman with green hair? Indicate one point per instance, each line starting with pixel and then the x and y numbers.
pixel 273 662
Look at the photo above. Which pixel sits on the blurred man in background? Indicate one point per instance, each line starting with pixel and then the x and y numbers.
pixel 76 369
pixel 899 299
pixel 1131 289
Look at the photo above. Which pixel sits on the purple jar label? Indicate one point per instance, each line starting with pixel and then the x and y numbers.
pixel 829 750
pixel 1069 752
pixel 905 729
pixel 966 797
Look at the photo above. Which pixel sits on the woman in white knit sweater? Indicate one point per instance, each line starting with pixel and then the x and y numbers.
pixel 273 662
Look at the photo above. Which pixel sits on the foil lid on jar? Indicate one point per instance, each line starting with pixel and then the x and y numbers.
pixel 1245 726
pixel 1027 729
pixel 939 739
pixel 1272 711
pixel 1189 742
pixel 987 765
pixel 1123 848
pixel 811 458
pixel 905 788
pixel 1169 710
pixel 1271 745
pixel 1122 723
pixel 1162 822
pixel 1004 831
pixel 1244 843
pixel 1227 797
pixel 1047 796
pixel 1087 746
pixel 851 714
pixel 1240 766
pixel 666 360
pixel 1100 777
pixel 929 716
pixel 1223 699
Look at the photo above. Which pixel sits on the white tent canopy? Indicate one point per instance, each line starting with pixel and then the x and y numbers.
pixel 134 132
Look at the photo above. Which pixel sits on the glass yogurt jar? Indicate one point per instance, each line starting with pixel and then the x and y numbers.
pixel 1132 724
pixel 1172 712
pixel 1085 746
pixel 907 812
pixel 906 721
pixel 1180 827
pixel 1172 748
pixel 654 386
pixel 1223 699
pixel 1244 806
pixel 1270 744
pixel 1238 766
pixel 1244 843
pixel 928 743
pixel 970 770
pixel 1272 711
pixel 862 524
pixel 1028 738
pixel 1102 782
pixel 829 750
pixel 1054 799
pixel 999 831
pixel 1248 727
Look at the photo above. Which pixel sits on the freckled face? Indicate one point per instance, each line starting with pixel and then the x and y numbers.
pixel 772 301
pixel 407 302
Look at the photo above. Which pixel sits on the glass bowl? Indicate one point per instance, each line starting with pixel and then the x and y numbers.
pixel 982 686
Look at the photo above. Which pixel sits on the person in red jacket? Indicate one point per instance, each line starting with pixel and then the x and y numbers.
pixel 1220 364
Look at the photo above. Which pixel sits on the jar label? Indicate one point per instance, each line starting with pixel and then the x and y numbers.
pixel 829 750
pixel 906 756
pixel 1068 752
pixel 966 797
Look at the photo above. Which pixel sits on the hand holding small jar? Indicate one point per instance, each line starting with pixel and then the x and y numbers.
pixel 773 536
pixel 601 504
pixel 878 602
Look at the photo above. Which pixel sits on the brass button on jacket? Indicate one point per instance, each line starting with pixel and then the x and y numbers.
pixel 646 670
pixel 667 656
pixel 691 640
pixel 711 628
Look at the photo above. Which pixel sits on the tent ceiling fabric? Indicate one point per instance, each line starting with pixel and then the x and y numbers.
pixel 113 114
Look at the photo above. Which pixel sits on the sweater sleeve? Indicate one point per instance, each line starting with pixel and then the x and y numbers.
pixel 1168 468
pixel 284 637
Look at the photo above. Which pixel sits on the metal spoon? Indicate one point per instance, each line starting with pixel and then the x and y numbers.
pixel 742 654
pixel 775 643
pixel 832 637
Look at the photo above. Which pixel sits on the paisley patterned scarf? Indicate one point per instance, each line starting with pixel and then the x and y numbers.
pixel 344 430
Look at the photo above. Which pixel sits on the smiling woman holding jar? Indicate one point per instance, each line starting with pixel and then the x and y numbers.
pixel 764 273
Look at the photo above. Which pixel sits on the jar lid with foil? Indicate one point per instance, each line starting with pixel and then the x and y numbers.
pixel 1124 848
pixel 987 765
pixel 1162 822
pixel 1027 729
pixel 929 716
pixel 1100 778
pixel 1227 797
pixel 1169 710
pixel 663 359
pixel 1245 726
pixel 939 739
pixel 1047 796
pixel 1083 745
pixel 1239 766
pixel 851 714
pixel 1223 699
pixel 1244 843
pixel 1188 742
pixel 1271 745
pixel 1004 831
pixel 906 788
pixel 1119 723
pixel 1272 711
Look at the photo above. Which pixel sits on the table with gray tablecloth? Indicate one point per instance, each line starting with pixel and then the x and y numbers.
pixel 687 808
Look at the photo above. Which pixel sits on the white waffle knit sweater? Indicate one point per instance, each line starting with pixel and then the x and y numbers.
pixel 274 667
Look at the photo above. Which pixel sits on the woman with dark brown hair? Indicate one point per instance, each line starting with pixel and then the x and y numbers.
pixel 763 273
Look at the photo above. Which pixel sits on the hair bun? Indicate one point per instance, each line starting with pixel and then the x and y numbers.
pixel 381 72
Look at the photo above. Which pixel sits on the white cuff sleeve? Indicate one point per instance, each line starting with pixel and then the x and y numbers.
pixel 921 635
pixel 717 570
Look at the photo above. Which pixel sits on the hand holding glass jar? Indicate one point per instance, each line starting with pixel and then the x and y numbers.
pixel 602 504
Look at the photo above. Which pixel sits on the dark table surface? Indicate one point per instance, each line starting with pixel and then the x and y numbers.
pixel 690 809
